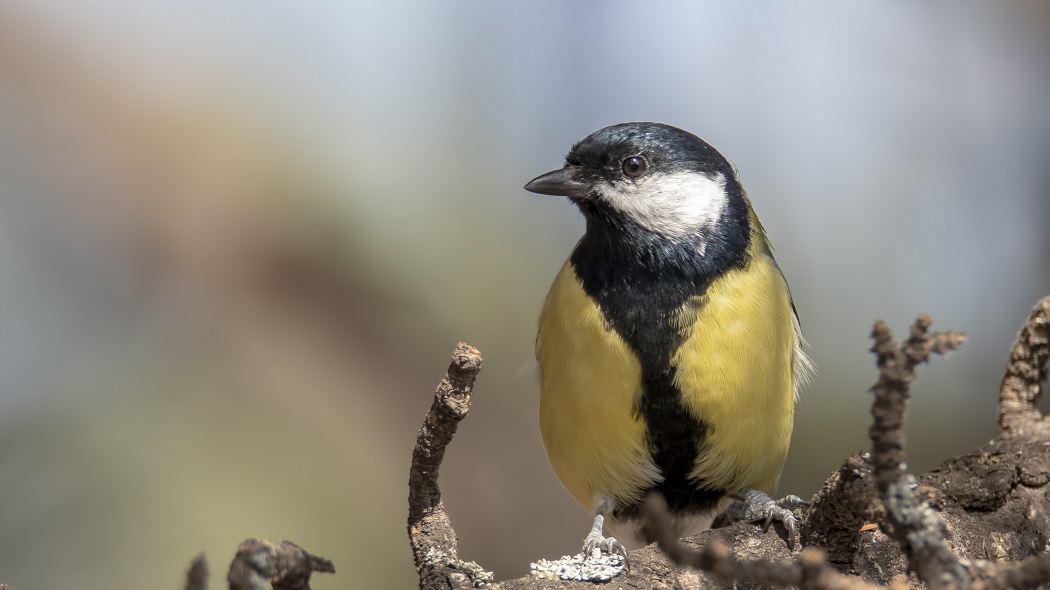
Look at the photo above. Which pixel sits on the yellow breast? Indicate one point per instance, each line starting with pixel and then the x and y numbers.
pixel 588 383
pixel 733 369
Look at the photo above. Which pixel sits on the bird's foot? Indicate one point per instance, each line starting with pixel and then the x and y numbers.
pixel 595 543
pixel 756 506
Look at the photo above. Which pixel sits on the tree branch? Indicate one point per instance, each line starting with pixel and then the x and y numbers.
pixel 1025 370
pixel 841 508
pixel 429 528
pixel 197 575
pixel 915 526
pixel 274 565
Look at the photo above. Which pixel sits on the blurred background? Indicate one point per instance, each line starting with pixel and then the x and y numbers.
pixel 239 241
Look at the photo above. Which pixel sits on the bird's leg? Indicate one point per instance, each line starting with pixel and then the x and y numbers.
pixel 596 541
pixel 756 506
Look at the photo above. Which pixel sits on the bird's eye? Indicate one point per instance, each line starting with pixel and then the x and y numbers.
pixel 634 166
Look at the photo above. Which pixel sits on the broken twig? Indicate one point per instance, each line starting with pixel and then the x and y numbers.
pixel 429 528
pixel 274 565
pixel 197 575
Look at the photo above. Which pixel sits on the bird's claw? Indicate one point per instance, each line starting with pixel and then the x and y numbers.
pixel 595 547
pixel 755 506
pixel 792 503
pixel 595 544
pixel 786 518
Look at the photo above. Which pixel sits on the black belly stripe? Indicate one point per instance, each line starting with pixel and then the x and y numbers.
pixel 641 281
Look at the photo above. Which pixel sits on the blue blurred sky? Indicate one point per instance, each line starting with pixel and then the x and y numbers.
pixel 238 241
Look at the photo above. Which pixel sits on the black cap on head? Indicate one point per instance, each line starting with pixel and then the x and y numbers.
pixel 667 149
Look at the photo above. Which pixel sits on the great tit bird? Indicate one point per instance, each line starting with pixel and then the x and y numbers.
pixel 670 354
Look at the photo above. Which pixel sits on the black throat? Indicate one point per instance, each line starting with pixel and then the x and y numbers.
pixel 641 281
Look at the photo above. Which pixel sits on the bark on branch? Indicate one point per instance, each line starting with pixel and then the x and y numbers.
pixel 914 525
pixel 1025 371
pixel 429 528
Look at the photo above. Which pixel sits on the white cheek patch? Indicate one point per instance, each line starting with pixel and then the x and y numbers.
pixel 675 205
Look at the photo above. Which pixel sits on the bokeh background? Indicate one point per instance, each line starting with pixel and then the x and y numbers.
pixel 239 240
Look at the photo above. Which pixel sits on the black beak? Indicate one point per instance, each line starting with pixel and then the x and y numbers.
pixel 558 182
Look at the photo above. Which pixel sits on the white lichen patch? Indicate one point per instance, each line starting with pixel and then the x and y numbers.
pixel 477 574
pixel 599 567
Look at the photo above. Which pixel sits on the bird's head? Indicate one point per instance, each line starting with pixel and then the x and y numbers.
pixel 661 178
